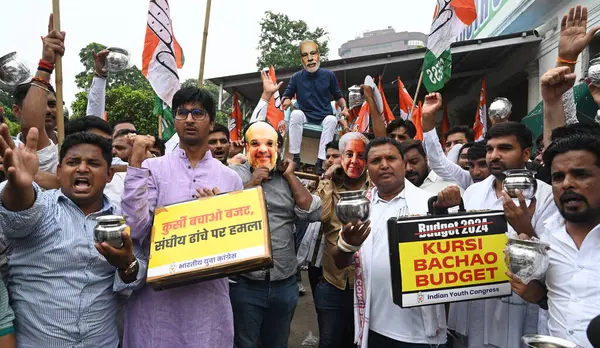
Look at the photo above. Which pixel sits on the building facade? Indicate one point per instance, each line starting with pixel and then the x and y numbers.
pixel 382 41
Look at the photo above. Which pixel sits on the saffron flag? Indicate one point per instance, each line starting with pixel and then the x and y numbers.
pixel 275 114
pixel 405 99
pixel 388 115
pixel 417 119
pixel 361 123
pixel 161 58
pixel 445 125
pixel 450 18
pixel 480 126
pixel 235 121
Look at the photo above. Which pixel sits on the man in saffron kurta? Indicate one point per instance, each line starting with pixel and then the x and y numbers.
pixel 197 315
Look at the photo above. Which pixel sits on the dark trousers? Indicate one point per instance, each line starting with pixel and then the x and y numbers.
pixel 335 314
pixel 263 311
pixel 379 341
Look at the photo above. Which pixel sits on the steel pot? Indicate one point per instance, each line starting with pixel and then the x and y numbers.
pixel 13 70
pixel 527 259
pixel 352 207
pixel 593 73
pixel 117 59
pixel 108 229
pixel 355 97
pixel 521 179
pixel 541 341
pixel 500 108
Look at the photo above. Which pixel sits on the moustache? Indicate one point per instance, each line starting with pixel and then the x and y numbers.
pixel 411 173
pixel 498 162
pixel 570 195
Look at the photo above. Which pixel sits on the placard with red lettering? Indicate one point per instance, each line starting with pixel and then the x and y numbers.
pixel 448 258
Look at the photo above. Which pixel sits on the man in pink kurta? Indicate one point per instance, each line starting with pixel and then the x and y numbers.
pixel 191 316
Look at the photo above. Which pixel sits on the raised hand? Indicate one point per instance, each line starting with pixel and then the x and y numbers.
pixel 367 91
pixel 555 82
pixel 236 147
pixel 573 35
pixel 269 88
pixel 20 164
pixel 100 62
pixel 54 43
pixel 141 148
pixel 433 103
pixel 286 167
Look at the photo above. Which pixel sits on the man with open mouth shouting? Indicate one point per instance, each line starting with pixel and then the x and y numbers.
pixel 313 88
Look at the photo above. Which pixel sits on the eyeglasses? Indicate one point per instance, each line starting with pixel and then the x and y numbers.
pixel 197 114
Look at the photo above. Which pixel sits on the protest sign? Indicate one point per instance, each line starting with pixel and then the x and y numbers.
pixel 209 238
pixel 448 258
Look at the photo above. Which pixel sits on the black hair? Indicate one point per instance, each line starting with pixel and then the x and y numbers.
pixel 539 141
pixel 87 123
pixel 194 95
pixel 411 130
pixel 573 142
pixel 476 151
pixel 467 131
pixel 123 132
pixel 380 142
pixel 519 130
pixel 466 146
pixel 332 145
pixel 21 90
pixel 121 121
pixel 410 144
pixel 575 128
pixel 219 128
pixel 87 138
pixel 160 143
pixel 280 140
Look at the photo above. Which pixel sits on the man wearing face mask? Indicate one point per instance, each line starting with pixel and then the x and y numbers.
pixel 313 88
pixel 334 292
pixel 268 298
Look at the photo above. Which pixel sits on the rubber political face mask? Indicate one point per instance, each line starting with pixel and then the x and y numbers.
pixel 353 158
pixel 261 145
pixel 311 58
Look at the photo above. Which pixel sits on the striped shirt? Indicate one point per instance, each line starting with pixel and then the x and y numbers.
pixel 61 287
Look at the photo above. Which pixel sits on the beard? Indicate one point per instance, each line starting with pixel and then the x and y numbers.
pixel 313 69
pixel 586 215
pixel 415 178
pixel 498 173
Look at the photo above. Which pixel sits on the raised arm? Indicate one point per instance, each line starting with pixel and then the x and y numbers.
pixel 301 195
pixel 97 92
pixel 35 105
pixel 553 84
pixel 376 117
pixel 269 88
pixel 438 162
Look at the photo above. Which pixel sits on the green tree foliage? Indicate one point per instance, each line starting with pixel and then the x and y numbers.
pixel 279 40
pixel 6 102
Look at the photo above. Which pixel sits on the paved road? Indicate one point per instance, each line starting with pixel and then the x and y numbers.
pixel 305 318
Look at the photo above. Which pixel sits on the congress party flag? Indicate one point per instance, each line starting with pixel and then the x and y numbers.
pixel 480 125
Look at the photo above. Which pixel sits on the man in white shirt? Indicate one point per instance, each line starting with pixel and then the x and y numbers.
pixel 446 168
pixel 417 170
pixel 379 323
pixel 457 135
pixel 571 290
pixel 502 322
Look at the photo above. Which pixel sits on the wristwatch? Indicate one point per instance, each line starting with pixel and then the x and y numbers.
pixel 132 268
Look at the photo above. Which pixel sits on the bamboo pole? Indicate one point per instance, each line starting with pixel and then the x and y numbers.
pixel 58 75
pixel 204 38
pixel 416 94
pixel 160 126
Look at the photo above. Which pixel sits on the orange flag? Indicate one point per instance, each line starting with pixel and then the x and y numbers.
pixel 405 99
pixel 361 124
pixel 480 126
pixel 417 118
pixel 235 121
pixel 388 116
pixel 445 125
pixel 274 111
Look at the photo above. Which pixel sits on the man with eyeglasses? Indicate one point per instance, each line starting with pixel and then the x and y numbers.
pixel 197 315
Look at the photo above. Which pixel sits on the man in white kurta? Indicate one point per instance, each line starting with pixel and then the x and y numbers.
pixel 502 322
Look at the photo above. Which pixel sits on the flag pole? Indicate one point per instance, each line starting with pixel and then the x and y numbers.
pixel 412 108
pixel 160 130
pixel 205 37
pixel 60 120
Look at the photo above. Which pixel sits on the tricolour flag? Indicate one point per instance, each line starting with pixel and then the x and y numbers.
pixel 361 123
pixel 161 58
pixel 417 119
pixel 388 115
pixel 445 125
pixel 235 121
pixel 405 99
pixel 480 126
pixel 275 114
pixel 450 18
